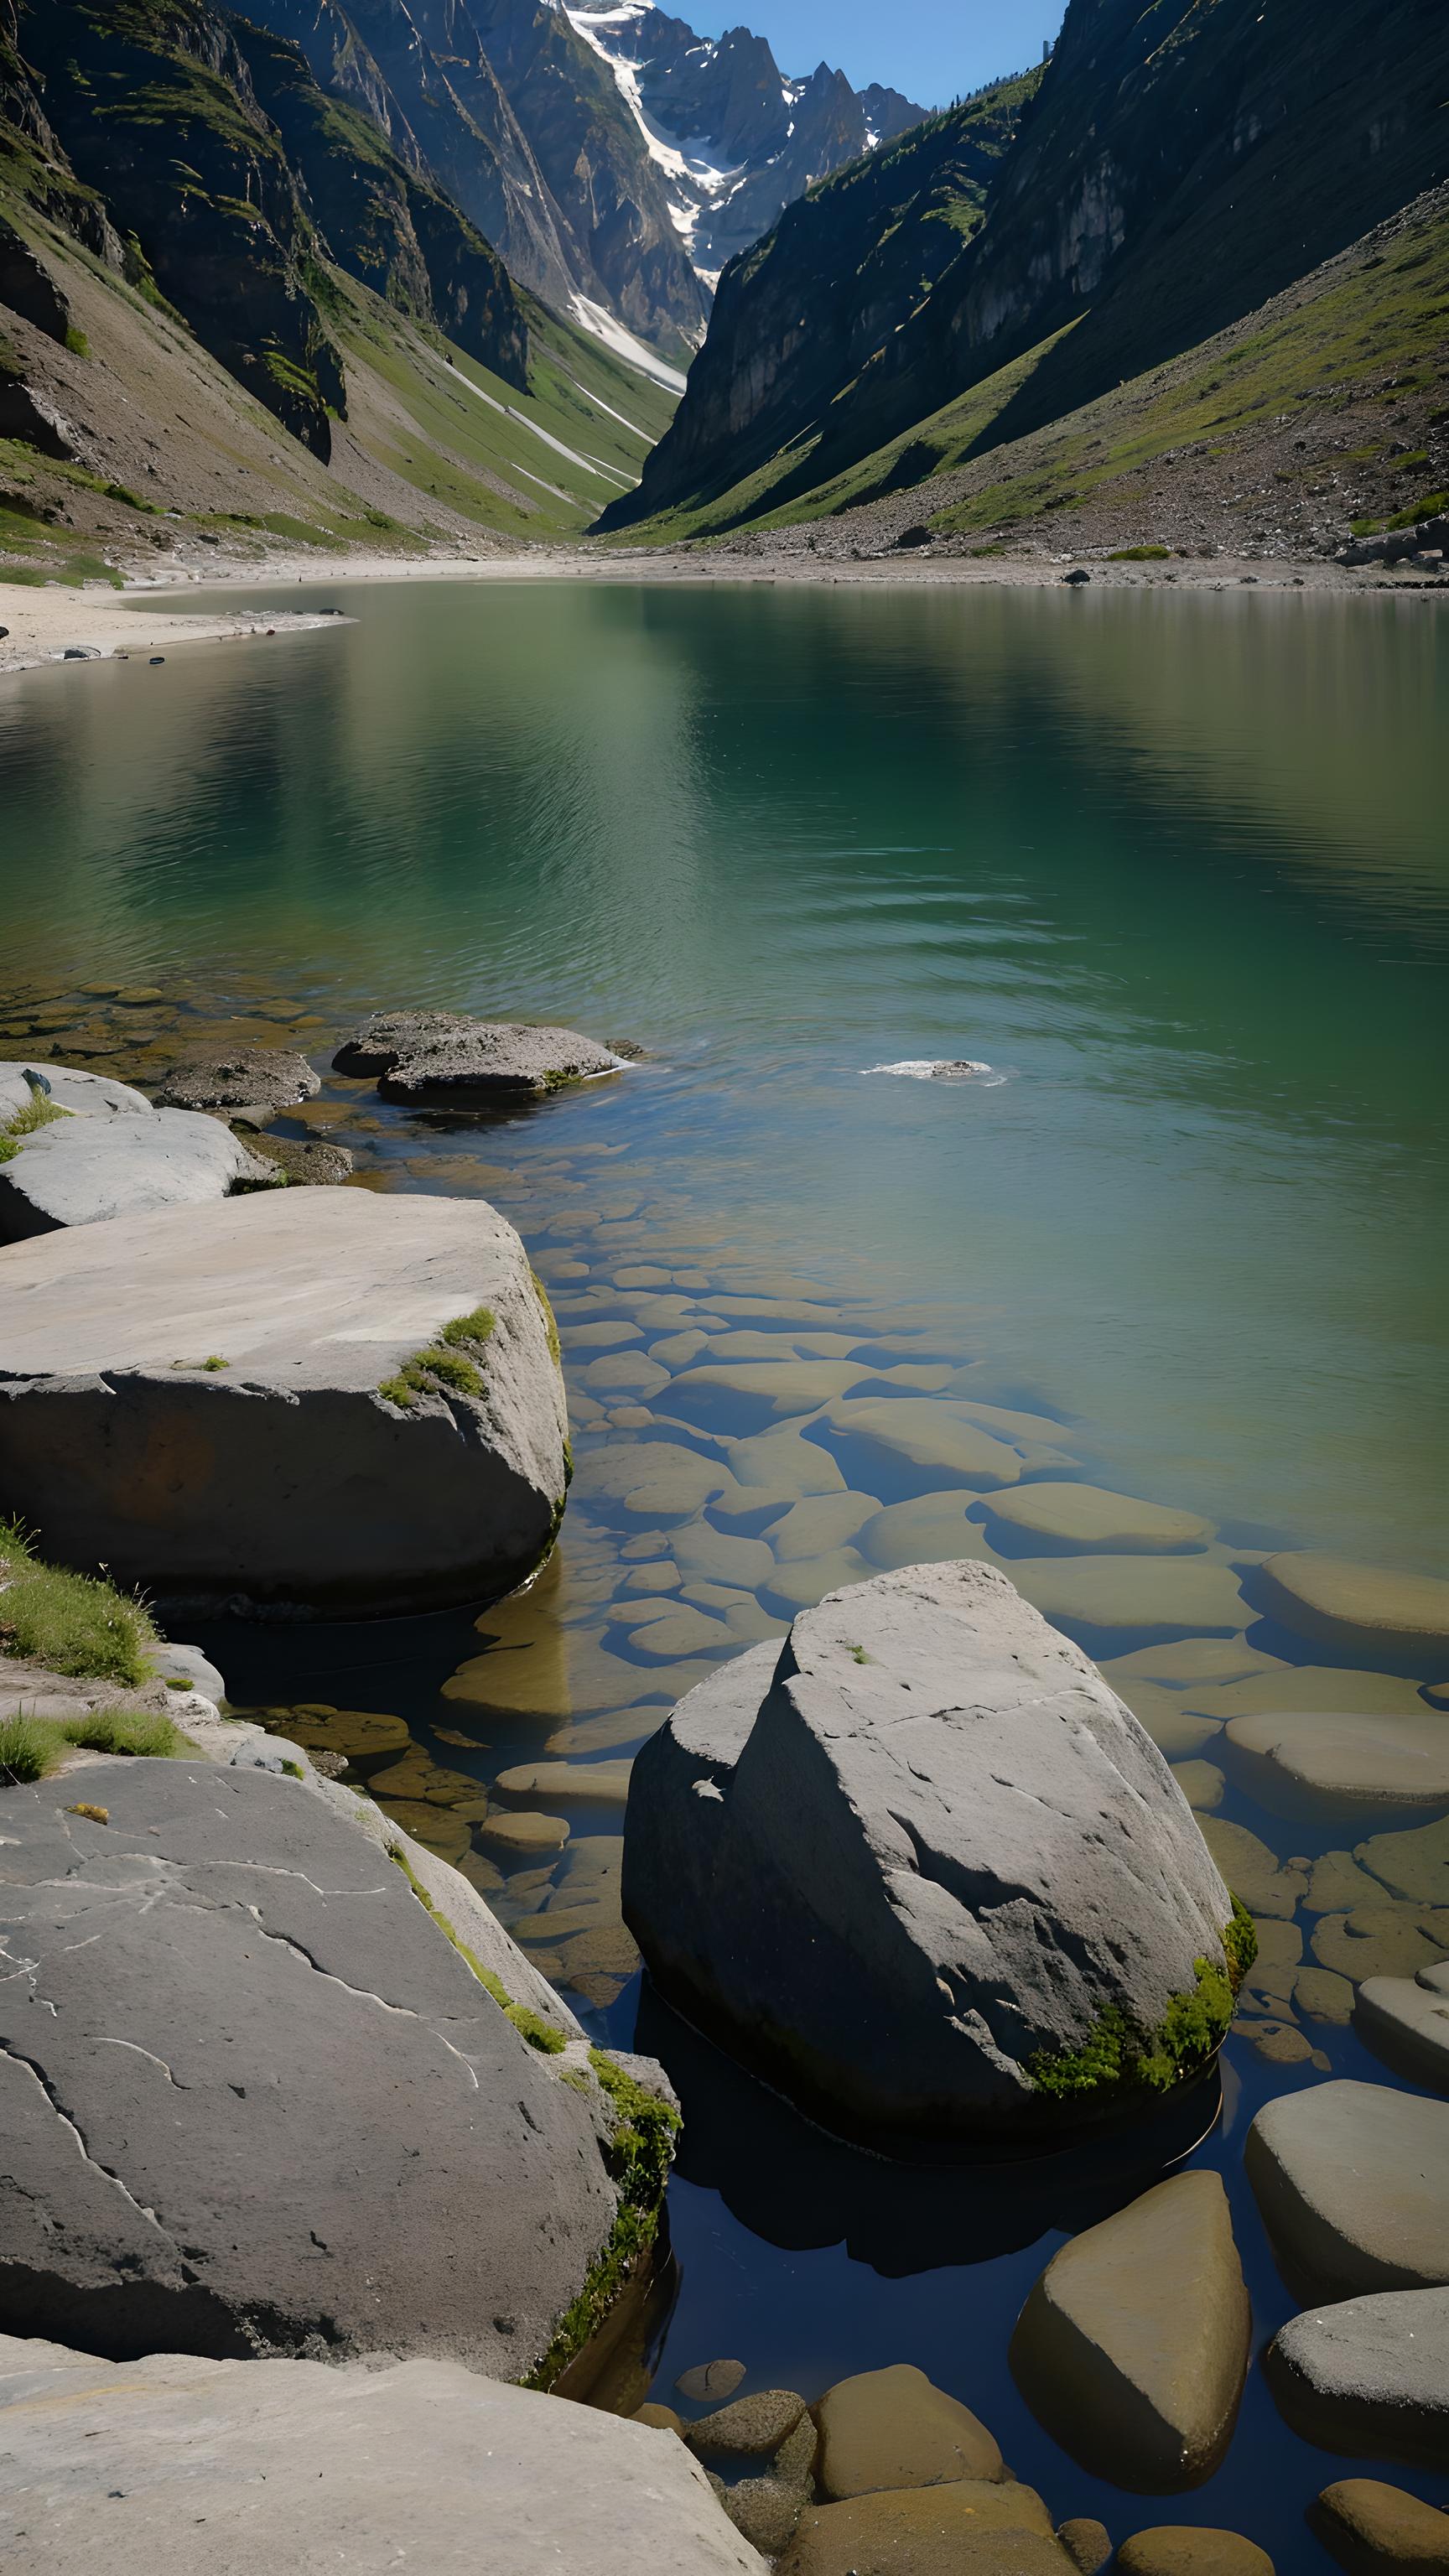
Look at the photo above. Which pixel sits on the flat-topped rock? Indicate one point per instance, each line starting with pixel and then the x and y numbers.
pixel 1133 2346
pixel 906 1863
pixel 426 1056
pixel 85 1095
pixel 1369 2376
pixel 1353 2183
pixel 83 1170
pixel 1405 2021
pixel 1347 1760
pixel 899 1446
pixel 162 2466
pixel 1153 1594
pixel 1363 1609
pixel 303 2114
pixel 1191 2549
pixel 237 1077
pixel 262 1399
pixel 1088 1519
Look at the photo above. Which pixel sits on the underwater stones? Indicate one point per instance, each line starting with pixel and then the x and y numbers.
pixel 1108 1593
pixel 1324 1996
pixel 81 1170
pixel 785 1463
pixel 1362 1609
pixel 359 1735
pixel 1201 1783
pixel 652 1480
pixel 679 1631
pixel 802 1581
pixel 1190 2549
pixel 1405 2021
pixel 524 1829
pixel 237 1077
pixel 1133 2345
pixel 1189 1661
pixel 894 2428
pixel 284 1474
pixel 1414 1864
pixel 569 1780
pixel 931 1529
pixel 1088 1518
pixel 905 1445
pixel 818 1523
pixel 624 1373
pixel 1377 2530
pixel 706 1555
pixel 1336 1885
pixel 710 2382
pixel 1353 2184
pixel 1088 2543
pixel 291 2465
pixel 1385 1940
pixel 1369 2376
pixel 1265 1884
pixel 749 2428
pixel 1350 1760
pixel 967 2528
pixel 905 1864
pixel 291 2022
pixel 757 1391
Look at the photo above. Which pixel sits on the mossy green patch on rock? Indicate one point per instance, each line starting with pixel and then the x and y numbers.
pixel 639 2156
pixel 1121 2055
pixel 540 2034
pixel 555 1347
pixel 40 1111
pixel 445 1364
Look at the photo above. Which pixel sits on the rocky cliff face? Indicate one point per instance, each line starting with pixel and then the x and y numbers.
pixel 1171 173
pixel 801 314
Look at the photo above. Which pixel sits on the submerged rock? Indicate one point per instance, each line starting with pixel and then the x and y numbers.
pixel 966 2529
pixel 1353 2183
pixel 893 2428
pixel 237 1077
pixel 920 1868
pixel 1190 2549
pixel 1346 1761
pixel 1405 2020
pixel 1082 1519
pixel 307 2118
pixel 334 1399
pixel 1133 2346
pixel 1369 2376
pixel 161 2466
pixel 1374 2530
pixel 1362 1609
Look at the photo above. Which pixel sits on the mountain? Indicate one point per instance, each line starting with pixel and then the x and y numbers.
pixel 229 309
pixel 614 159
pixel 1172 171
pixel 736 141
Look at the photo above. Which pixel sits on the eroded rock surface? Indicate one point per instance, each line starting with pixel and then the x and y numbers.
pixel 440 1055
pixel 906 1863
pixel 1369 2376
pixel 162 2466
pixel 238 1077
pixel 256 1399
pixel 253 2098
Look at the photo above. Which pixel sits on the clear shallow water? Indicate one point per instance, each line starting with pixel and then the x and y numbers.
pixel 1175 868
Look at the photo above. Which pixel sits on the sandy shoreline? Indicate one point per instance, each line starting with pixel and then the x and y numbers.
pixel 43 624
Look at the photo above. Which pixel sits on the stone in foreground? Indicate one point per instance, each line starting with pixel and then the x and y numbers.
pixel 1377 2530
pixel 921 1869
pixel 259 1400
pixel 80 1171
pixel 894 2428
pixel 1353 2183
pixel 1369 2376
pixel 1191 2549
pixel 1133 2346
pixel 1362 1609
pixel 255 2100
pixel 238 1078
pixel 169 2465
pixel 438 1056
pixel 1406 2022
pixel 85 1095
pixel 966 2529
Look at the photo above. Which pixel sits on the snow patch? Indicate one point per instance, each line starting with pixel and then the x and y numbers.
pixel 586 464
pixel 606 326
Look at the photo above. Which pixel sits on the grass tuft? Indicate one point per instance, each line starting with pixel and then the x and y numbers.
pixel 32 1747
pixel 28 1750
pixel 39 1111
pixel 444 1364
pixel 77 1624
pixel 638 2156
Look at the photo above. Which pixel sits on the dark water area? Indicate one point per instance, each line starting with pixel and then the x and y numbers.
pixel 1175 871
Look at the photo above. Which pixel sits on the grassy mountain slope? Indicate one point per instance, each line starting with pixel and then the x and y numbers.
pixel 1323 413
pixel 244 319
pixel 1177 167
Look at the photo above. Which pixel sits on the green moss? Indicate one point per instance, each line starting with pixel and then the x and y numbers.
pixel 540 2034
pixel 1141 554
pixel 71 1623
pixel 1121 2056
pixel 39 1111
pixel 31 1747
pixel 444 1364
pixel 77 343
pixel 638 2156
pixel 555 1347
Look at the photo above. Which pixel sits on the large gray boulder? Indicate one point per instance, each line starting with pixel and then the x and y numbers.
pixel 82 1170
pixel 922 1869
pixel 254 2098
pixel 442 1056
pixel 172 2465
pixel 1369 2376
pixel 1133 2345
pixel 275 1398
pixel 1353 2183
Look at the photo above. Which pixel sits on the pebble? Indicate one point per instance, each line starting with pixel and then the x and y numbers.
pixel 710 2382
pixel 1088 2544
pixel 751 2428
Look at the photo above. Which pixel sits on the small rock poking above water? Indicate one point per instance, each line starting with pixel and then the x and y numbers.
pixel 1369 2376
pixel 1191 2549
pixel 237 1078
pixel 294 2465
pixel 326 1398
pixel 922 1068
pixel 1376 2530
pixel 926 1873
pixel 710 2382
pixel 1363 1610
pixel 1133 2346
pixel 80 1171
pixel 1405 2021
pixel 438 1056
pixel 1353 2183
pixel 894 2428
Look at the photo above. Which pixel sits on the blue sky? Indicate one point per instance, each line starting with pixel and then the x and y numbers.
pixel 931 49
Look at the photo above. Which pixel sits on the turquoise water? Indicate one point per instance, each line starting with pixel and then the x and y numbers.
pixel 1174 869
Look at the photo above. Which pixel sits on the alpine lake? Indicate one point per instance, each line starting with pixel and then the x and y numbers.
pixel 1174 870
